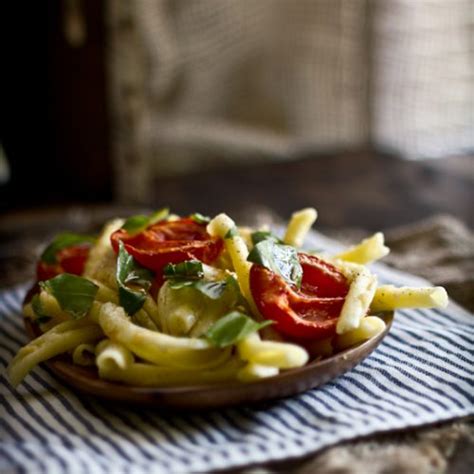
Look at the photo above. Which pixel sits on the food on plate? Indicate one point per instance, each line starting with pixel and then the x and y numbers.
pixel 164 300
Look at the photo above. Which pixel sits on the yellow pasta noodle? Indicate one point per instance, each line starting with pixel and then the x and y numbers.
pixel 252 372
pixel 369 327
pixel 299 226
pixel 60 339
pixel 389 297
pixel 359 297
pixel 157 347
pixel 84 354
pixel 283 355
pixel 141 317
pixel 110 354
pixel 101 261
pixel 50 306
pixel 369 250
pixel 224 227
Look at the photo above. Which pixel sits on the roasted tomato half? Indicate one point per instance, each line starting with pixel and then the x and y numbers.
pixel 169 242
pixel 68 260
pixel 309 312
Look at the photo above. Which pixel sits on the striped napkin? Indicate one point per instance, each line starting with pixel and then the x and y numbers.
pixel 423 372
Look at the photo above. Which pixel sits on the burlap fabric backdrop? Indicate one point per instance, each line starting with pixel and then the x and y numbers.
pixel 195 82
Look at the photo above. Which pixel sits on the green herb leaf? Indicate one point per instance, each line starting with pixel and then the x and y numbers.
pixel 260 235
pixel 231 233
pixel 232 328
pixel 61 241
pixel 190 269
pixel 199 218
pixel 280 259
pixel 190 274
pixel 41 316
pixel 212 289
pixel 74 294
pixel 233 285
pixel 133 281
pixel 135 224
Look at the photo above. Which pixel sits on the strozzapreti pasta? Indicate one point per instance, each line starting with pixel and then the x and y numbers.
pixel 163 300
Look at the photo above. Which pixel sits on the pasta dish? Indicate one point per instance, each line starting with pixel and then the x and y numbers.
pixel 164 300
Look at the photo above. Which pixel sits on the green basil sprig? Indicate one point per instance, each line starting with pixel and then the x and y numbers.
pixel 199 218
pixel 188 270
pixel 232 328
pixel 61 241
pixel 135 224
pixel 133 281
pixel 260 235
pixel 74 294
pixel 191 274
pixel 231 233
pixel 212 289
pixel 280 259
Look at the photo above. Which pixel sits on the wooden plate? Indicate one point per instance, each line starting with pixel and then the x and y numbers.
pixel 287 383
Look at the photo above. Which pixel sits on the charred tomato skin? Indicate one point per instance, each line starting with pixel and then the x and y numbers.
pixel 306 313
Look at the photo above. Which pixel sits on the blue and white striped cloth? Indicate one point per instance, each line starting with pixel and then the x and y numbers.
pixel 423 372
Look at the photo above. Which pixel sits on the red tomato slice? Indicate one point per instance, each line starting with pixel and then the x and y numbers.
pixel 69 260
pixel 310 312
pixel 169 242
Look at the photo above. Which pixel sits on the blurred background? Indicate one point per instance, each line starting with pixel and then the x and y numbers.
pixel 153 101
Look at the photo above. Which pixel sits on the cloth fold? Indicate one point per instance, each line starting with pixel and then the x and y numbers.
pixel 423 372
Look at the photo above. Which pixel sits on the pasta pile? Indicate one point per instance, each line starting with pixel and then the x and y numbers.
pixel 181 336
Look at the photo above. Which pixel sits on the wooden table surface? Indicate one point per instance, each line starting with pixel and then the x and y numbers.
pixel 364 190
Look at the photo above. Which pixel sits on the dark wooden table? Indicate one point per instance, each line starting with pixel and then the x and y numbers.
pixel 364 189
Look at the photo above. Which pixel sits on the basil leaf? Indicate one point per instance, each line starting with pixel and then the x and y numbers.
pixel 280 259
pixel 260 235
pixel 231 233
pixel 74 294
pixel 199 218
pixel 135 224
pixel 232 328
pixel 233 286
pixel 41 316
pixel 212 289
pixel 61 241
pixel 133 281
pixel 131 301
pixel 190 274
pixel 190 269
